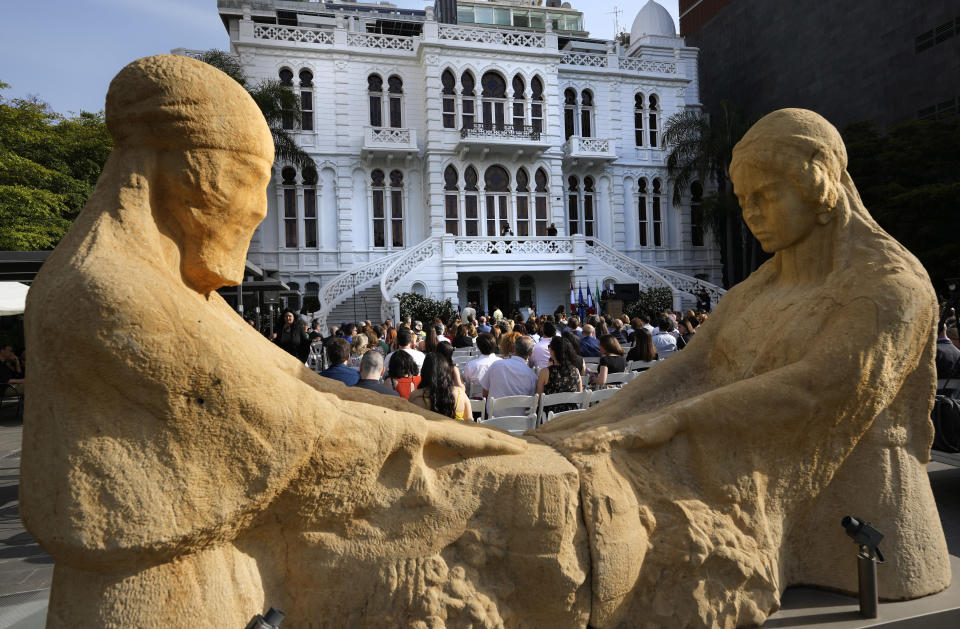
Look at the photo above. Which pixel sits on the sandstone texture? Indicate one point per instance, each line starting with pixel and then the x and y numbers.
pixel 183 471
pixel 719 477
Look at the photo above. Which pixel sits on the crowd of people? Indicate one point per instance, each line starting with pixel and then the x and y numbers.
pixel 510 355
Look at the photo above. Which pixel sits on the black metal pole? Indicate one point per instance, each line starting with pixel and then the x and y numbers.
pixel 867 579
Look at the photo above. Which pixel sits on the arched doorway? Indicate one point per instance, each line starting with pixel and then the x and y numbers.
pixel 528 292
pixel 499 294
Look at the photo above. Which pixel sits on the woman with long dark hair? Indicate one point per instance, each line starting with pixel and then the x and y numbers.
pixel 292 338
pixel 578 361
pixel 643 347
pixel 562 374
pixel 611 359
pixel 463 339
pixel 403 374
pixel 439 391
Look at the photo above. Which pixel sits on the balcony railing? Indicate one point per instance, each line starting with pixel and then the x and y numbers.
pixel 501 131
pixel 389 139
pixel 510 245
pixel 589 148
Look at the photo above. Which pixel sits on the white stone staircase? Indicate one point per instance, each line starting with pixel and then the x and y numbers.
pixel 649 276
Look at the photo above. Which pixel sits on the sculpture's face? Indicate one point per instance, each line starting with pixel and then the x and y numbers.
pixel 218 198
pixel 773 208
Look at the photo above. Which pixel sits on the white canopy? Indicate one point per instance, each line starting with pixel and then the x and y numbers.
pixel 13 298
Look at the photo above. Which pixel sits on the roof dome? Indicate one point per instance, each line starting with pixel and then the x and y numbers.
pixel 652 19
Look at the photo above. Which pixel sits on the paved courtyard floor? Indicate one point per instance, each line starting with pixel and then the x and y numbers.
pixel 26 570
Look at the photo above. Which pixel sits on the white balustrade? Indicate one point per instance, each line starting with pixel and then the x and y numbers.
pixel 298 34
pixel 492 36
pixel 584 59
pixel 597 148
pixel 389 139
pixel 382 42
pixel 337 290
pixel 633 64
pixel 513 246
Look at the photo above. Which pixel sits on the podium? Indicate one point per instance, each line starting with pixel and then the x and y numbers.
pixel 613 307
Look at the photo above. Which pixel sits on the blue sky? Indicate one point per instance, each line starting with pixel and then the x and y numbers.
pixel 67 51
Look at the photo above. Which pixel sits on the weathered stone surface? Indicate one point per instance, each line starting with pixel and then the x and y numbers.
pixel 719 478
pixel 183 470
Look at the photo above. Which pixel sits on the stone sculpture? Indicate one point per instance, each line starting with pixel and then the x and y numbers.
pixel 182 470
pixel 805 397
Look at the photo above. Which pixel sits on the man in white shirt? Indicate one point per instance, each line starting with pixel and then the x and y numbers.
pixel 406 343
pixel 474 370
pixel 511 376
pixel 468 312
pixel 541 351
pixel 662 339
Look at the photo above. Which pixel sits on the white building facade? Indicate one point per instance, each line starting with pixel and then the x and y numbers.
pixel 448 153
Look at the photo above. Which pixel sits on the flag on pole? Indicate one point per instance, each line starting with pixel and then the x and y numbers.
pixel 573 299
pixel 589 300
pixel 580 303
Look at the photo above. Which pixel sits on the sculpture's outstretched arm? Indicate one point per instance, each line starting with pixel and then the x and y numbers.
pixel 853 368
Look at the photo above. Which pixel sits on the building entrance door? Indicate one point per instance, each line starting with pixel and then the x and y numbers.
pixel 499 294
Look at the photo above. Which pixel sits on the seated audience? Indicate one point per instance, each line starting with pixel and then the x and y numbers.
pixel 643 347
pixel 589 346
pixel 403 374
pixel 662 337
pixel 948 356
pixel 578 359
pixel 561 375
pixel 612 360
pixel 687 328
pixel 511 376
pixel 541 351
pixel 338 353
pixel 439 391
pixel 474 370
pixel 358 347
pixel 463 338
pixel 371 368
pixel 406 341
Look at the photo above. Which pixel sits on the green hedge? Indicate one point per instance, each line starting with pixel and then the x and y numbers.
pixel 420 308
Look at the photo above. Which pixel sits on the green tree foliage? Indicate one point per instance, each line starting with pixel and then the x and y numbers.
pixel 274 99
pixel 49 164
pixel 701 150
pixel 909 180
pixel 420 308
pixel 652 300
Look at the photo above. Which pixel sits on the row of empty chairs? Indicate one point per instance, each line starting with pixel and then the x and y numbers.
pixel 534 409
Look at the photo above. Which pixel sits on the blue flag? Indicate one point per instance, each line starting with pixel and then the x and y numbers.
pixel 580 303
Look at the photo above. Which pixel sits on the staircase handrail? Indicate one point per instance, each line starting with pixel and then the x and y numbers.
pixel 403 265
pixel 358 278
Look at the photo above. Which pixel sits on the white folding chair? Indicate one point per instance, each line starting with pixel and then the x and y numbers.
pixel 514 424
pixel 474 389
pixel 618 379
pixel 665 354
pixel 527 405
pixel 599 396
pixel 640 365
pixel 479 407
pixel 552 415
pixel 585 382
pixel 575 397
pixel 592 362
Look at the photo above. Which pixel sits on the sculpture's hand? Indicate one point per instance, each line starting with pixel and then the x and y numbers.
pixel 465 439
pixel 600 435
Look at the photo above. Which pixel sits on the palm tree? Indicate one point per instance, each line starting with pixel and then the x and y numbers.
pixel 701 150
pixel 277 102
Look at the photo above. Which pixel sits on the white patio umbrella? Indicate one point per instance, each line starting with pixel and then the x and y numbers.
pixel 13 298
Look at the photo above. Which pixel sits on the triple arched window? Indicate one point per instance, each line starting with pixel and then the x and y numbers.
pixel 387 201
pixel 499 104
pixel 651 213
pixel 581 206
pixel 501 207
pixel 299 201
pixel 385 101
pixel 578 113
pixel 646 120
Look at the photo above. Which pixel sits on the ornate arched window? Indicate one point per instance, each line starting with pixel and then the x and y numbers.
pixel 468 99
pixel 523 202
pixel 449 92
pixel 494 100
pixel 657 213
pixel 395 101
pixel 396 208
pixel 569 112
pixel 652 117
pixel 541 202
pixel 519 102
pixel 638 115
pixel 471 203
pixel 536 104
pixel 586 114
pixel 451 200
pixel 306 100
pixel 375 90
pixel 286 115
pixel 642 212
pixel 496 190
pixel 310 207
pixel 589 208
pixel 379 212
pixel 573 205
pixel 290 231
pixel 696 214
